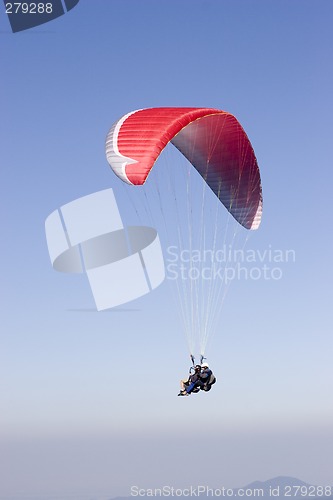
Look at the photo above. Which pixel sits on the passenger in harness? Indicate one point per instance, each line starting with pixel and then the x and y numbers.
pixel 188 385
pixel 202 378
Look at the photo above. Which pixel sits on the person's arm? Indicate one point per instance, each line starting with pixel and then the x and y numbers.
pixel 205 375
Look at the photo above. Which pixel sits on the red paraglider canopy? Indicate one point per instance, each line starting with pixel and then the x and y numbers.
pixel 212 140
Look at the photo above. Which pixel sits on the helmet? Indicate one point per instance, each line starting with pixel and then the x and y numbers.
pixel 197 367
pixel 204 365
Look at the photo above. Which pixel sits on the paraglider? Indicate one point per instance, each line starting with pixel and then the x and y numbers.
pixel 217 147
pixel 201 378
pixel 212 140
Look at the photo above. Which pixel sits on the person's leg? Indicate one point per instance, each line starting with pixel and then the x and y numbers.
pixel 183 384
pixel 190 387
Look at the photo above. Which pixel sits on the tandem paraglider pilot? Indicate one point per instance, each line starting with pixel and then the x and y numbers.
pixel 202 379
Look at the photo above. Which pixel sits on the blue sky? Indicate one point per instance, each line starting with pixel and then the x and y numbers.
pixel 89 399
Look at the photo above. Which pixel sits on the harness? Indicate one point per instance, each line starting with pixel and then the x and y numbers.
pixel 204 386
